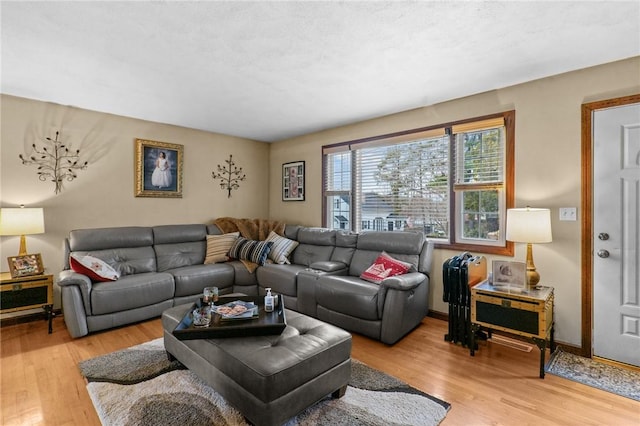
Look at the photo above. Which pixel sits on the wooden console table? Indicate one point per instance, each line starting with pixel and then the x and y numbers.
pixel 527 313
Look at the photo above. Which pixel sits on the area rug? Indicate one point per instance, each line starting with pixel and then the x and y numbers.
pixel 139 386
pixel 596 374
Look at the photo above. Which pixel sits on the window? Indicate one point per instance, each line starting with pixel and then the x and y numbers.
pixel 453 182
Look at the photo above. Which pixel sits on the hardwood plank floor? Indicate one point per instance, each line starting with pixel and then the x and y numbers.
pixel 41 384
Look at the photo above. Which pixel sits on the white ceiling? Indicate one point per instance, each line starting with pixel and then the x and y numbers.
pixel 274 70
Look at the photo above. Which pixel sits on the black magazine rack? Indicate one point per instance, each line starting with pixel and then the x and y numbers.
pixel 458 279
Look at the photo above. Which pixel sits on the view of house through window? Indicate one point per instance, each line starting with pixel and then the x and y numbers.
pixel 448 182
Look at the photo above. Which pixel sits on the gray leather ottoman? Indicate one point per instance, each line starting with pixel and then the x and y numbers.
pixel 269 379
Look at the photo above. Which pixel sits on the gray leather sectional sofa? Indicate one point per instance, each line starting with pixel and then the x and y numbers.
pixel 162 266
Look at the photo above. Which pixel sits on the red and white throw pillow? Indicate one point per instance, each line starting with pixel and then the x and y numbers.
pixel 383 267
pixel 94 268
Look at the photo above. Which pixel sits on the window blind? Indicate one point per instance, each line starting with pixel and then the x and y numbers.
pixel 480 158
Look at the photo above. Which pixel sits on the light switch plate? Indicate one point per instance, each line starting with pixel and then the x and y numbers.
pixel 568 213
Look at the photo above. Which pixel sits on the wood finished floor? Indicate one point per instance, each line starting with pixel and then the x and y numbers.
pixel 41 384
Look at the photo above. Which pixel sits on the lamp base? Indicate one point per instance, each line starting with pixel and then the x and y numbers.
pixel 23 246
pixel 533 277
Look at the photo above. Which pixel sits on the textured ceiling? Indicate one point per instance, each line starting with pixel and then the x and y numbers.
pixel 273 70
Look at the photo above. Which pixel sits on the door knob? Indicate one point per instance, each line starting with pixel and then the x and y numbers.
pixel 603 236
pixel 603 254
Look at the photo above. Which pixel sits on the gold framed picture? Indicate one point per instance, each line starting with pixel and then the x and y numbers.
pixel 158 169
pixel 26 265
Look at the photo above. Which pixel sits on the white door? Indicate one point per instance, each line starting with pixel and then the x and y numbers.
pixel 616 228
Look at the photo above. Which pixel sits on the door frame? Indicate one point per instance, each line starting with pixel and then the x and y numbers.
pixel 587 214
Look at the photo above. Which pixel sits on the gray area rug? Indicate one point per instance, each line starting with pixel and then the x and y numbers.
pixel 139 386
pixel 596 374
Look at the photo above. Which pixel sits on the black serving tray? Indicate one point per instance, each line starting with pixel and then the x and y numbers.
pixel 267 323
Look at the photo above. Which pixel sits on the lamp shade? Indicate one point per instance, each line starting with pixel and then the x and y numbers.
pixel 21 221
pixel 529 225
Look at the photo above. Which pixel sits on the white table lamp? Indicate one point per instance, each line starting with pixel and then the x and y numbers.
pixel 21 221
pixel 529 225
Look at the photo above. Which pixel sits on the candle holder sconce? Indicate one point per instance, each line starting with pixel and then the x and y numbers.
pixel 230 176
pixel 55 162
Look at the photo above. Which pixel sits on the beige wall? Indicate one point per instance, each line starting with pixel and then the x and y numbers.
pixel 548 167
pixel 103 194
pixel 547 170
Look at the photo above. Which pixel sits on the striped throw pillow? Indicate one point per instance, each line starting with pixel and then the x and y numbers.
pixel 282 248
pixel 218 247
pixel 251 250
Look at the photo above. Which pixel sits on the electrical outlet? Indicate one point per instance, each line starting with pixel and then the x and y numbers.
pixel 568 213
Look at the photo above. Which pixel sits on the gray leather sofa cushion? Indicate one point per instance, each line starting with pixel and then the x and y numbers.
pixel 392 242
pixel 179 245
pixel 280 278
pixel 171 234
pixel 242 275
pixel 316 245
pixel 190 280
pixel 176 255
pixel 348 295
pixel 106 238
pixel 291 231
pixel 127 261
pixel 345 247
pixel 130 292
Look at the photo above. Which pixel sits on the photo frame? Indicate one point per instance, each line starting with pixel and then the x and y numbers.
pixel 509 274
pixel 25 265
pixel 293 181
pixel 158 169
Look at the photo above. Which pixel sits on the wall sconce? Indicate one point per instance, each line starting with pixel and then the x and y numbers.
pixel 56 162
pixel 229 175
pixel 21 221
pixel 529 225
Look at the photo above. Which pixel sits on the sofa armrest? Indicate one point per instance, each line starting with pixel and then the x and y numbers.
pixel 403 305
pixel 399 283
pixel 69 277
pixel 83 282
pixel 328 266
pixel 403 282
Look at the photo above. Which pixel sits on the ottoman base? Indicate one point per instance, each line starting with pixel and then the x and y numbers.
pixel 261 406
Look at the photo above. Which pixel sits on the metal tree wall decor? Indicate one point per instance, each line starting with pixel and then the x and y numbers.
pixel 229 175
pixel 55 162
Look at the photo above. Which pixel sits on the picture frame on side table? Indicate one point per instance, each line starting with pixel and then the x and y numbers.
pixel 158 169
pixel 293 181
pixel 26 265
pixel 509 274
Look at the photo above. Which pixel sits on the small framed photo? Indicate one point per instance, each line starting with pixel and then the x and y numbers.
pixel 509 274
pixel 158 169
pixel 293 181
pixel 24 266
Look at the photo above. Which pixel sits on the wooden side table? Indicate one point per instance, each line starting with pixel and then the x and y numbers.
pixel 527 313
pixel 19 294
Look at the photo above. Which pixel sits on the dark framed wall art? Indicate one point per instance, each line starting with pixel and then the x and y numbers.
pixel 158 169
pixel 293 181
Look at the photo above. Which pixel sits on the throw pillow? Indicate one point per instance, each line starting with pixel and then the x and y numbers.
pixel 94 268
pixel 383 267
pixel 218 247
pixel 282 248
pixel 251 250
